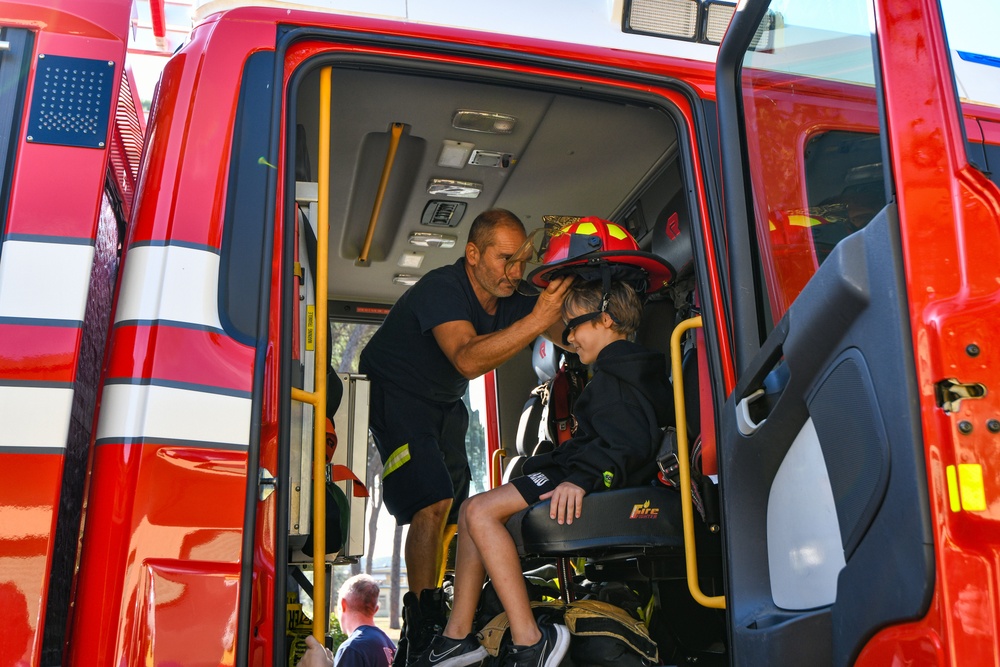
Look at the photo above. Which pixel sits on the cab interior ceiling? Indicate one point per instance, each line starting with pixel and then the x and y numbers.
pixel 569 155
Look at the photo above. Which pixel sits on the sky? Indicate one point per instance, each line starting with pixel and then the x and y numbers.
pixel 972 26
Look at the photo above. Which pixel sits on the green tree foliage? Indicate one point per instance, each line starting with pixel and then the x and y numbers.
pixel 337 635
pixel 346 342
pixel 475 446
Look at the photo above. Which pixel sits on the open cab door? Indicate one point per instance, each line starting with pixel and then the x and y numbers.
pixel 860 241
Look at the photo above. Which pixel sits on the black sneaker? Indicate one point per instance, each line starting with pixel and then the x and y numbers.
pixel 447 652
pixel 547 652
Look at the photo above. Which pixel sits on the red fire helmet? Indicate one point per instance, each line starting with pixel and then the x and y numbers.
pixel 582 247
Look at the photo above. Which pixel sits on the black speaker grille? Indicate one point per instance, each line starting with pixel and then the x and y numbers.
pixel 854 444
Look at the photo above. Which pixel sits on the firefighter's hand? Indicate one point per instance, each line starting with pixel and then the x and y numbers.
pixel 316 655
pixel 549 305
pixel 567 502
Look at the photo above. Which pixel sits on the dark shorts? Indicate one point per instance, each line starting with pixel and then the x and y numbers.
pixel 422 445
pixel 535 484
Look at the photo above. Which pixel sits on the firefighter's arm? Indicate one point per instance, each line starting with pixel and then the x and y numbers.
pixel 472 354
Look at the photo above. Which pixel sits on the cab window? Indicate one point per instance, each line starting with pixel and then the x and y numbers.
pixel 816 162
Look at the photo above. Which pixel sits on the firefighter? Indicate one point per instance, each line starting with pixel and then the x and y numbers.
pixel 457 323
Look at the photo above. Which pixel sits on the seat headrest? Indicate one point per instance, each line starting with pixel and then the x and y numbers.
pixel 544 359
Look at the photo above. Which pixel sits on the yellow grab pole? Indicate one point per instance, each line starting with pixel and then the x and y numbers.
pixel 303 396
pixel 684 463
pixel 320 617
pixel 496 467
pixel 396 131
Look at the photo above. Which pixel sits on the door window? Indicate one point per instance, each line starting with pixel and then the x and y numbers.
pixel 812 133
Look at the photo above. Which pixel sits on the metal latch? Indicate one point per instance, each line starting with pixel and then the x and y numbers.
pixel 950 393
pixel 266 484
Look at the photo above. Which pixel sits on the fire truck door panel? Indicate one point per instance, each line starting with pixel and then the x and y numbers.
pixel 822 476
pixel 829 477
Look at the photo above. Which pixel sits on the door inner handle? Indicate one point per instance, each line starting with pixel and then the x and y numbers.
pixel 744 422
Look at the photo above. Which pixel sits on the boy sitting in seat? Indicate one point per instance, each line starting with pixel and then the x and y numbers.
pixel 618 421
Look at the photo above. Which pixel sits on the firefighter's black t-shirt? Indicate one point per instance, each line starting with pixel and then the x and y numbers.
pixel 403 351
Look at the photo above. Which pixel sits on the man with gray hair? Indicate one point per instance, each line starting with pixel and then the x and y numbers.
pixel 366 645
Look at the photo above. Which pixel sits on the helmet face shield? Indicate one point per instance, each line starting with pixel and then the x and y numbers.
pixel 526 258
pixel 532 253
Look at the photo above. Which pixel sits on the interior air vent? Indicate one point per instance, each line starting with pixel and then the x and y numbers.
pixel 443 213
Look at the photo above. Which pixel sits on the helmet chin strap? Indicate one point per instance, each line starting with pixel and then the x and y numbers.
pixel 606 289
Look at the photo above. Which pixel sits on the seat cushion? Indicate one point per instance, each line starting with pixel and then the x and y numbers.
pixel 646 517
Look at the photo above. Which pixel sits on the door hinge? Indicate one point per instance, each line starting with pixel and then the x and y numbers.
pixel 266 484
pixel 950 393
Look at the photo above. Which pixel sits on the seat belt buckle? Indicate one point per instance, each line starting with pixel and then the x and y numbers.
pixel 666 458
pixel 670 470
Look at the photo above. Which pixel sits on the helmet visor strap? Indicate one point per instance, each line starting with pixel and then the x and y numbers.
pixel 588 317
pixel 577 321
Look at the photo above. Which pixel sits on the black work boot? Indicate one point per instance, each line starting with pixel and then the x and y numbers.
pixel 411 609
pixel 423 619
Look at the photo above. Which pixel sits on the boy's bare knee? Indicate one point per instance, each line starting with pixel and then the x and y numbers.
pixel 473 510
pixel 463 514
pixel 482 510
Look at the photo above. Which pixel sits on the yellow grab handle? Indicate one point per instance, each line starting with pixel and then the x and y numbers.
pixel 684 463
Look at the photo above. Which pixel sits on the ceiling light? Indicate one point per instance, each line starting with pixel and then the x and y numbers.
pixel 483 121
pixel 411 260
pixel 450 188
pixel 454 153
pixel 405 279
pixel 432 240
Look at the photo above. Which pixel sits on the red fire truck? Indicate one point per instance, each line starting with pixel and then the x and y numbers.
pixel 823 184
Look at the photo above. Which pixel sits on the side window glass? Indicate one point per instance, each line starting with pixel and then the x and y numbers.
pixel 15 64
pixel 812 130
pixel 475 436
pixel 844 189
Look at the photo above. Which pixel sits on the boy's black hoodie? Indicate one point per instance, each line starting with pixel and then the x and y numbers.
pixel 619 417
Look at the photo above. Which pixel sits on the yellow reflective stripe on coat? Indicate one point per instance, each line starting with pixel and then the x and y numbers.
pixel 397 459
